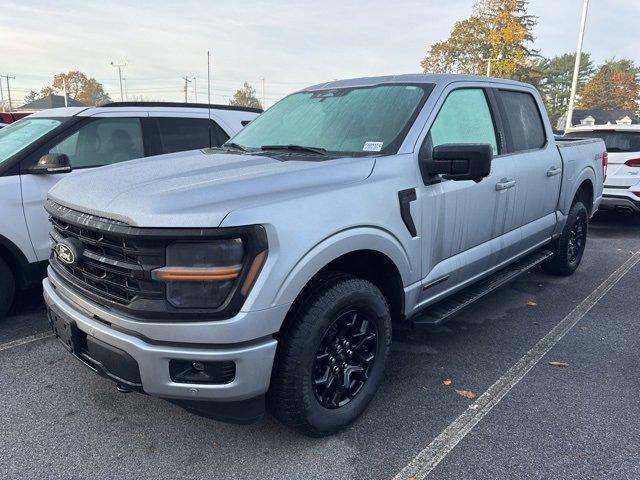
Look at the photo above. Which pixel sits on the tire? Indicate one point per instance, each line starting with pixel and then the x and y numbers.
pixel 7 288
pixel 569 248
pixel 332 320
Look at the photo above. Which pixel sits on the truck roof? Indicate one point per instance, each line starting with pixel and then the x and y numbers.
pixel 230 110
pixel 441 79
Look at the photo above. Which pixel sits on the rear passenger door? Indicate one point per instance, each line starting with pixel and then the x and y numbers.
pixel 537 170
pixel 176 133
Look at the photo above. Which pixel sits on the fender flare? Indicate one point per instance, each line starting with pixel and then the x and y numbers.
pixel 337 245
pixel 587 173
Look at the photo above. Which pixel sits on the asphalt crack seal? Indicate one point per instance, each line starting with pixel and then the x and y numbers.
pixel 441 446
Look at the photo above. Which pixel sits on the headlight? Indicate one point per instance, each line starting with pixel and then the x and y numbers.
pixel 202 275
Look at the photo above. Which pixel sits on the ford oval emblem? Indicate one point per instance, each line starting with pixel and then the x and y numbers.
pixel 66 253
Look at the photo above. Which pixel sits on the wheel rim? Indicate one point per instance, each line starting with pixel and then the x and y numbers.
pixel 344 359
pixel 577 239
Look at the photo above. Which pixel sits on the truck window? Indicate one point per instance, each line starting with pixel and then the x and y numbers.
pixel 523 120
pixel 354 121
pixel 21 134
pixel 464 118
pixel 182 134
pixel 102 142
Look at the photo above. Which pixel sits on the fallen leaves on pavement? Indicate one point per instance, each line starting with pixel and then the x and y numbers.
pixel 447 381
pixel 559 364
pixel 468 394
pixel 532 303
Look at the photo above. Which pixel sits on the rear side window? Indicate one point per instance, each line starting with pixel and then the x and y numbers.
pixel 182 134
pixel 522 120
pixel 615 141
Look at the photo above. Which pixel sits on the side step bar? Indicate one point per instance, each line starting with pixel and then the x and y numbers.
pixel 441 311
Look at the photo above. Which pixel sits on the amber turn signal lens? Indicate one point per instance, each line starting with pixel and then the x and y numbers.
pixel 253 272
pixel 197 274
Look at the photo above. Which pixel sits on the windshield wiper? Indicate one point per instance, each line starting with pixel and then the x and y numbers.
pixel 235 146
pixel 295 148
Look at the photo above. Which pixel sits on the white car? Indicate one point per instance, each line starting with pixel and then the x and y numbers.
pixel 622 183
pixel 2 125
pixel 39 150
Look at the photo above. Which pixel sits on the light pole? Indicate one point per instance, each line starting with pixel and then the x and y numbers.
pixel 262 82
pixel 576 68
pixel 195 89
pixel 119 67
pixel 126 96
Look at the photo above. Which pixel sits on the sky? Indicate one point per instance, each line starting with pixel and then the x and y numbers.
pixel 291 44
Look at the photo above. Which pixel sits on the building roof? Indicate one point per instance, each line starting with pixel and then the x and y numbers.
pixel 51 101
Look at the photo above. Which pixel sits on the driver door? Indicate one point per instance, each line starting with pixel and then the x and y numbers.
pixel 95 142
pixel 463 221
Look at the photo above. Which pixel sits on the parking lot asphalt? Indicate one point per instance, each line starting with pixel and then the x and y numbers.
pixel 60 420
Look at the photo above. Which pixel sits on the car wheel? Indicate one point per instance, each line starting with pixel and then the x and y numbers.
pixel 569 248
pixel 7 288
pixel 331 356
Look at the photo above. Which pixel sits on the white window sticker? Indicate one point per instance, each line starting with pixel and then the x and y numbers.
pixel 372 146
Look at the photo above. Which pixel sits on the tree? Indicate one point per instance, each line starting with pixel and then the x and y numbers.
pixel 93 93
pixel 497 29
pixel 79 87
pixel 32 96
pixel 245 97
pixel 614 86
pixel 556 78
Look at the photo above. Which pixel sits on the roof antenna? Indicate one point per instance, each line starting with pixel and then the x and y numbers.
pixel 209 98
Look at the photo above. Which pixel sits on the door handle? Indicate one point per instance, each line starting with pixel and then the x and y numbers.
pixel 505 183
pixel 553 171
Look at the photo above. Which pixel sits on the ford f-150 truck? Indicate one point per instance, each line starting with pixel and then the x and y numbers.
pixel 268 272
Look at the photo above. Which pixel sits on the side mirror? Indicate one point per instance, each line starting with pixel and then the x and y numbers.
pixel 461 161
pixel 51 163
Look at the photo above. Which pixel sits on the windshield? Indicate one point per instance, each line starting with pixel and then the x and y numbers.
pixel 368 120
pixel 615 141
pixel 21 134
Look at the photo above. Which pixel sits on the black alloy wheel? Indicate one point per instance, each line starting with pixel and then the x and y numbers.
pixel 345 358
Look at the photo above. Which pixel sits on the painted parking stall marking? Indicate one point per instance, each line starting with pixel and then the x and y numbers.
pixel 429 458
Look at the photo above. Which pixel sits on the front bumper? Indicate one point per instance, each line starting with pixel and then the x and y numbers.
pixel 620 199
pixel 253 359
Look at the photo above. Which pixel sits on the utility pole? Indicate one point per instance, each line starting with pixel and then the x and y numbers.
pixel 489 60
pixel 64 89
pixel 576 68
pixel 262 81
pixel 186 85
pixel 119 67
pixel 126 95
pixel 7 77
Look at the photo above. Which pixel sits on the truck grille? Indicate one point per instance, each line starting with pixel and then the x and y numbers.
pixel 111 265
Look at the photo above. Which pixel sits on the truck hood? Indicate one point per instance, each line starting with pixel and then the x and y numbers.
pixel 199 188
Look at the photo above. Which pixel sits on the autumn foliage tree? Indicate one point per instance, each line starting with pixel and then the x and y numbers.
pixel 497 29
pixel 79 87
pixel 245 97
pixel 614 86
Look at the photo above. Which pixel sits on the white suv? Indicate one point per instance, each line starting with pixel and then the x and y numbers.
pixel 39 150
pixel 622 184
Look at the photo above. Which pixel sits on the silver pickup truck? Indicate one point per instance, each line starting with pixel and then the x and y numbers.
pixel 268 273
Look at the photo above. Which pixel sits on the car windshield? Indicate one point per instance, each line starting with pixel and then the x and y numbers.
pixel 351 121
pixel 20 134
pixel 615 140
